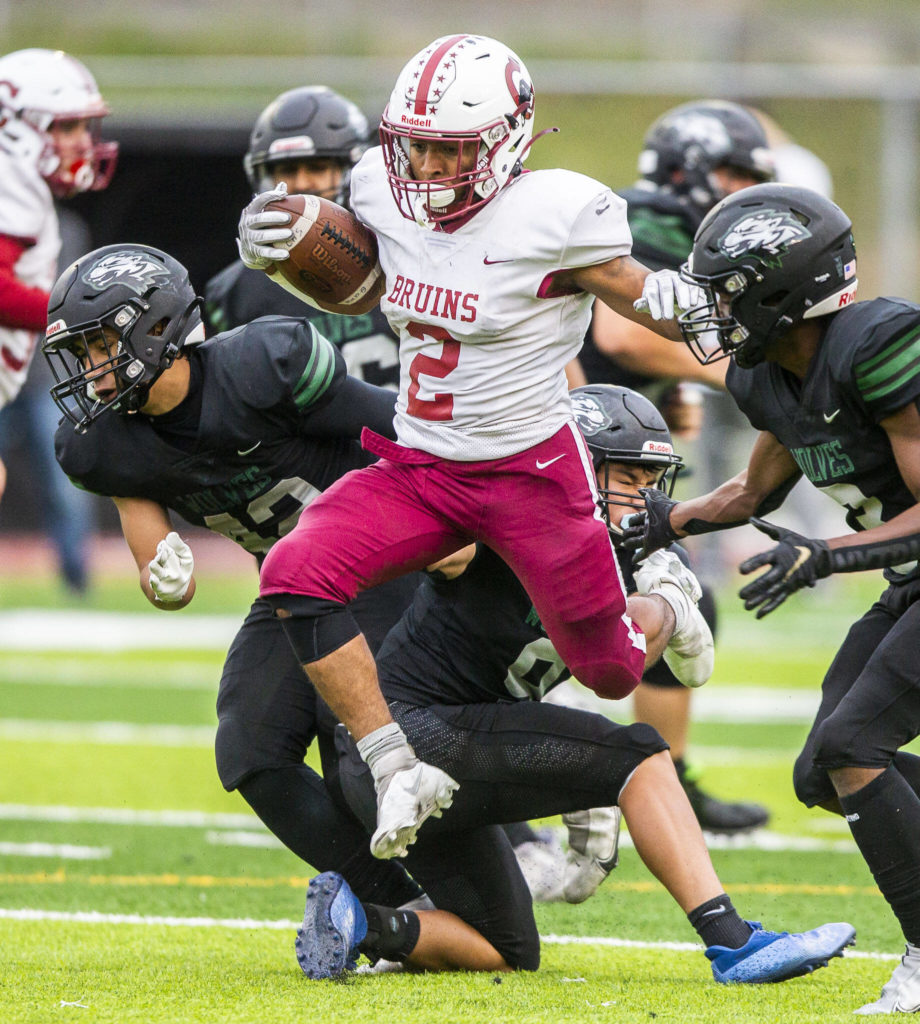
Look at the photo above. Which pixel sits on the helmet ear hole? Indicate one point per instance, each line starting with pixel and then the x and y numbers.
pixel 776 299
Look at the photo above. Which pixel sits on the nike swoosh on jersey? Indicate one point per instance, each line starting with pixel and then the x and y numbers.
pixel 602 209
pixel 490 263
pixel 832 416
pixel 248 451
pixel 549 462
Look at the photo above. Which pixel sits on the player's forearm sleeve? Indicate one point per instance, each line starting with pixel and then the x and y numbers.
pixel 878 555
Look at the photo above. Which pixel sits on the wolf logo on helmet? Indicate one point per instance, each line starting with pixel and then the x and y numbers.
pixel 766 258
pixel 704 130
pixel 125 310
pixel 767 234
pixel 620 425
pixel 133 269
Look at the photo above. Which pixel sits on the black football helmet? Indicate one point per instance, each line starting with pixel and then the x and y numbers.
pixel 139 302
pixel 692 140
pixel 621 425
pixel 312 121
pixel 767 258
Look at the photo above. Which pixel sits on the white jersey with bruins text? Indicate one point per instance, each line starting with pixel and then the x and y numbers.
pixel 484 335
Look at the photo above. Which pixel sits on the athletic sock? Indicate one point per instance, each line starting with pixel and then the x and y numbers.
pixel 718 923
pixel 391 934
pixel 884 817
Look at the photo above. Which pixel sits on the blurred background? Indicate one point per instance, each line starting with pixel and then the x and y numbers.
pixel 185 81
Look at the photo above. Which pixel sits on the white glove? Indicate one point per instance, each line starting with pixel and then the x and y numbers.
pixel 258 228
pixel 171 570
pixel 665 294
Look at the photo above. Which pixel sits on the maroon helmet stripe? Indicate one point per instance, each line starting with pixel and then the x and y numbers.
pixel 421 94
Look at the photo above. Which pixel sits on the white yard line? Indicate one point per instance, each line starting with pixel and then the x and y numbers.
pixel 48 629
pixel 247 830
pixel 93 917
pixel 61 851
pixel 38 730
pixel 122 816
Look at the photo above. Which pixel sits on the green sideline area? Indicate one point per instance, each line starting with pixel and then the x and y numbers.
pixel 132 888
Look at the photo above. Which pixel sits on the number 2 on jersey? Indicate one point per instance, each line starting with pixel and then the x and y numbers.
pixel 441 407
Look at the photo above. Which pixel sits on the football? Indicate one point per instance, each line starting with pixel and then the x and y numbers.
pixel 333 257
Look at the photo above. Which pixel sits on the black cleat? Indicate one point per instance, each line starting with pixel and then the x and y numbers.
pixel 719 815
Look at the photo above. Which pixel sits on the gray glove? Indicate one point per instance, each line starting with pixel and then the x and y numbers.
pixel 260 227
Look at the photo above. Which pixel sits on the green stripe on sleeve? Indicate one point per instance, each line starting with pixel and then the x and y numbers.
pixel 318 373
pixel 891 362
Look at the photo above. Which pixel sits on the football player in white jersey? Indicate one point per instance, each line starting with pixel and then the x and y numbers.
pixel 490 277
pixel 50 115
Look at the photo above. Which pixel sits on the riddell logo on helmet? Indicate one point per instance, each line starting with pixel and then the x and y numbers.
pixel 416 122
pixel 658 446
pixel 846 298
pixel 55 328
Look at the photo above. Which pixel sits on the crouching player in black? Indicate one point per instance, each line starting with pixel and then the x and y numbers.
pixel 834 389
pixel 238 434
pixel 464 671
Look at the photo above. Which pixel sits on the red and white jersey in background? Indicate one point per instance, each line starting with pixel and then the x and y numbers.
pixel 484 340
pixel 26 213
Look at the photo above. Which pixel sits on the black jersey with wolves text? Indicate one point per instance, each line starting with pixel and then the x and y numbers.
pixel 866 369
pixel 238 295
pixel 253 443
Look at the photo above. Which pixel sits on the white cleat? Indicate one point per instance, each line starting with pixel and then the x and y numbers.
pixel 690 653
pixel 901 993
pixel 594 837
pixel 407 799
pixel 542 864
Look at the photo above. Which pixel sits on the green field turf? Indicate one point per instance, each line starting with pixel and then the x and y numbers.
pixel 133 888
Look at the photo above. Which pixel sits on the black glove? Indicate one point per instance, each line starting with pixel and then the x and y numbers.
pixel 795 562
pixel 650 530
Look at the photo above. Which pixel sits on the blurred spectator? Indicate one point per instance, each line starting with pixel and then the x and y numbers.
pixel 28 423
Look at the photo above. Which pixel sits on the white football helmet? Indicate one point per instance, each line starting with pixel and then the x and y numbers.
pixel 39 88
pixel 469 90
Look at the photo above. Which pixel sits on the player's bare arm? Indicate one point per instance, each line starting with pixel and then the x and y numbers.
pixel 758 489
pixel 641 350
pixel 157 550
pixel 618 283
pixel 769 468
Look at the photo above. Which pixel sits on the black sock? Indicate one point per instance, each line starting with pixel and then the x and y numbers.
pixel 718 923
pixel 391 934
pixel 884 817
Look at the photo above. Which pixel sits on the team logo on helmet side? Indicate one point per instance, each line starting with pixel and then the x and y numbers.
pixel 708 132
pixel 767 234
pixel 135 270
pixel 589 414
